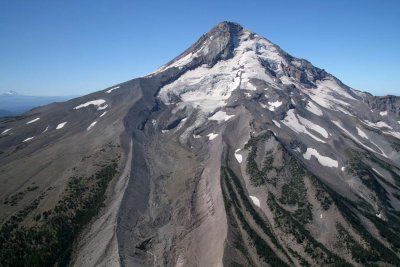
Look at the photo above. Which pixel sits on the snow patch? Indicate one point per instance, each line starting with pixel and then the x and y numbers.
pixel 32 121
pixel 61 125
pixel 293 123
pixel 238 156
pixel 324 161
pixel 343 169
pixel 5 131
pixel 255 200
pixel 112 89
pixel 338 124
pixel 91 125
pixel 220 116
pixel 383 113
pixel 45 130
pixel 97 103
pixel 102 114
pixel 314 109
pixel 28 139
pixel 361 133
pixel 274 105
pixel 211 136
pixel 276 123
pixel 313 126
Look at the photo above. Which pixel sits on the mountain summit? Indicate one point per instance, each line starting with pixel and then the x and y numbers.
pixel 234 153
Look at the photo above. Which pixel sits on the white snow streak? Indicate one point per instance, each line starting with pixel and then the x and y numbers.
pixel 32 121
pixel 5 131
pixel 112 89
pixel 383 113
pixel 102 114
pixel 276 123
pixel 28 139
pixel 377 172
pixel 377 125
pixel 91 125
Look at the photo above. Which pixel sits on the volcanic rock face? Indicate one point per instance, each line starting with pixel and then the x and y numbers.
pixel 233 154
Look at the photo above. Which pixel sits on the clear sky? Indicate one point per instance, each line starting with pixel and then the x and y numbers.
pixel 51 47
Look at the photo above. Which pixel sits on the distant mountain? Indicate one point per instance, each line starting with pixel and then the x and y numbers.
pixel 235 153
pixel 13 104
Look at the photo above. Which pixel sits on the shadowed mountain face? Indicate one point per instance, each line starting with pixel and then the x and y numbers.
pixel 234 153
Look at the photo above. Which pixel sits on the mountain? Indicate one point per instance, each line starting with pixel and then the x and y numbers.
pixel 235 153
pixel 13 104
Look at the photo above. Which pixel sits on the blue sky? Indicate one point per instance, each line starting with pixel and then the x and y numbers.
pixel 73 47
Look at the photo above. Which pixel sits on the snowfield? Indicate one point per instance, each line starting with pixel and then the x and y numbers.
pixel 225 76
pixel 324 161
pixel 32 121
pixel 61 125
pixel 97 103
